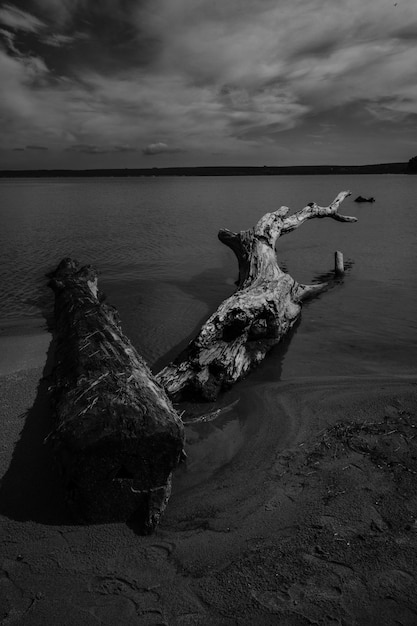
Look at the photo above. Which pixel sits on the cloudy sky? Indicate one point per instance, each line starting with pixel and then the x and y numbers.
pixel 155 83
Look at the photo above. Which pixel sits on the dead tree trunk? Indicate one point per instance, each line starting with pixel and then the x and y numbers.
pixel 117 437
pixel 249 323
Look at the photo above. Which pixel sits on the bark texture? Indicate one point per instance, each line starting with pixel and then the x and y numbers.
pixel 267 303
pixel 117 437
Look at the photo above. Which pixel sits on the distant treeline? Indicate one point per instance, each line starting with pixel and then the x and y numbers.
pixel 382 168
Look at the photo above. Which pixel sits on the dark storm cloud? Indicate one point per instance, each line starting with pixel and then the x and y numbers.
pixel 108 34
pixel 317 48
pixel 16 19
pixel 230 78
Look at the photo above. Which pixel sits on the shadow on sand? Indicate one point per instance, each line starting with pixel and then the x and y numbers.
pixel 30 489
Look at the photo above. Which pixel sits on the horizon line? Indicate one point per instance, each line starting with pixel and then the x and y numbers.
pixel 397 165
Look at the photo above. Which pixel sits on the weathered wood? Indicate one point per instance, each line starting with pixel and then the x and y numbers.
pixel 249 323
pixel 364 199
pixel 117 437
pixel 339 265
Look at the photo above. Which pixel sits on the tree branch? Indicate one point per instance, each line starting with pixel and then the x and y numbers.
pixel 267 303
pixel 314 210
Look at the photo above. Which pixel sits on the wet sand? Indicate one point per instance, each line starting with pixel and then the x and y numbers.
pixel 298 506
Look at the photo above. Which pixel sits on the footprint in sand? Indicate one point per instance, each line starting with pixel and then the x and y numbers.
pixel 160 551
pixel 140 602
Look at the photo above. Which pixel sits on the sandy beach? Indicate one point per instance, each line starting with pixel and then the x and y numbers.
pixel 309 518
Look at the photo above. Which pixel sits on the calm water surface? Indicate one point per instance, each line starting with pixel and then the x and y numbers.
pixel 154 241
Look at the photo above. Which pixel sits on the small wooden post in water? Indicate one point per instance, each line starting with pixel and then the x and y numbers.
pixel 339 266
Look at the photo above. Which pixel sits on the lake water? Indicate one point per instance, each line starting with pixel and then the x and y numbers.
pixel 154 242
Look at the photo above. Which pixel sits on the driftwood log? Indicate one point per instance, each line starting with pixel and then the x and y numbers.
pixel 249 323
pixel 117 437
pixel 363 199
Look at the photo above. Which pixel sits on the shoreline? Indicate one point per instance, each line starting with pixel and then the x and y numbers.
pixel 241 170
pixel 311 520
pixel 23 350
